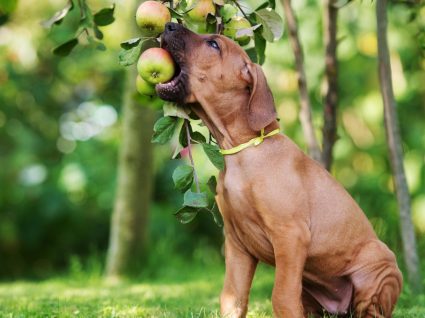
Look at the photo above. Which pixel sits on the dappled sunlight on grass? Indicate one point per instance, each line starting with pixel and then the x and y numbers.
pixel 194 294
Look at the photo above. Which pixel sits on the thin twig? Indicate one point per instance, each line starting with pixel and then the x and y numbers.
pixel 305 112
pixel 240 9
pixel 189 147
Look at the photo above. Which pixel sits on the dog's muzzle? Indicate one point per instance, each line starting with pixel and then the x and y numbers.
pixel 173 40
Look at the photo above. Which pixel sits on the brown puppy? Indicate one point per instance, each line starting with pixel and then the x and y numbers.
pixel 278 205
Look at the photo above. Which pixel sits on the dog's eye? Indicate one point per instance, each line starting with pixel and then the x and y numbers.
pixel 213 44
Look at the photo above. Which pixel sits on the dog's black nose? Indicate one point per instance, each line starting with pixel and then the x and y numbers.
pixel 171 26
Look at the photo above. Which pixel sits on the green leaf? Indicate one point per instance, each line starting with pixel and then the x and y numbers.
pixel 183 135
pixel 174 14
pixel 176 153
pixel 97 33
pixel 100 46
pixel 186 214
pixel 212 184
pixel 227 12
pixel 164 129
pixel 260 47
pixel 272 4
pixel 216 215
pixel 198 137
pixel 214 155
pixel 195 199
pixel 195 136
pixel 172 109
pixel 262 6
pixel 105 16
pixel 126 45
pixel 193 116
pixel 252 53
pixel 147 43
pixel 130 56
pixel 58 16
pixel 272 23
pixel 183 177
pixel 65 48
pixel 211 19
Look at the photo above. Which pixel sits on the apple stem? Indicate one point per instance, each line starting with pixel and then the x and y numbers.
pixel 189 147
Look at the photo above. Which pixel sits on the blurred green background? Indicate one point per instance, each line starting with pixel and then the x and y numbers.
pixel 60 131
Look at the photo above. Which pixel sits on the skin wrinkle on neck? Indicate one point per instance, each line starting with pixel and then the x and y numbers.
pixel 226 132
pixel 230 129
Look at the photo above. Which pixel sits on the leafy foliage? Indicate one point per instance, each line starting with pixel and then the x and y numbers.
pixel 266 25
pixel 213 153
pixel 89 25
pixel 65 48
pixel 183 177
pixel 105 16
pixel 164 129
pixel 272 25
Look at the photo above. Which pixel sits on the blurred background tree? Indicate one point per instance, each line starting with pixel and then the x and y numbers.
pixel 61 122
pixel 129 223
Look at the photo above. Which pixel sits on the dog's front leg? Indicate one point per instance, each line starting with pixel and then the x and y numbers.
pixel 240 269
pixel 290 245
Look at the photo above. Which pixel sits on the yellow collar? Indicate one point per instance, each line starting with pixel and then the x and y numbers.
pixel 254 141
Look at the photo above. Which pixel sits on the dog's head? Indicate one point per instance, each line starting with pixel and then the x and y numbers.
pixel 216 72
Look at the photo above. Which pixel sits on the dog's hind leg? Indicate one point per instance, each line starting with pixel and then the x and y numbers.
pixel 377 281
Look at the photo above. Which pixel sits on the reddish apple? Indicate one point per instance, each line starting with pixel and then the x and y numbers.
pixel 156 65
pixel 151 17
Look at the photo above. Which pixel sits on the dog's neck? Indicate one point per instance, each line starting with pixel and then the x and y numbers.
pixel 228 125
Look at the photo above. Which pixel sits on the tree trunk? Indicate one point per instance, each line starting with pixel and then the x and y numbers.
pixel 128 234
pixel 395 150
pixel 305 112
pixel 331 70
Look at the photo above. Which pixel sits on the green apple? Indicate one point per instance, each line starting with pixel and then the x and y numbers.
pixel 231 28
pixel 144 88
pixel 151 17
pixel 156 65
pixel 200 9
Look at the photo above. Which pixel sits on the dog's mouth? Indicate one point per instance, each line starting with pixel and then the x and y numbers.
pixel 176 89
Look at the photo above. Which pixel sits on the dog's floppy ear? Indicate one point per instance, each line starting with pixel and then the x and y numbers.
pixel 261 110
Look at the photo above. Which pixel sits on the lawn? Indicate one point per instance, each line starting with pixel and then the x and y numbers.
pixel 188 291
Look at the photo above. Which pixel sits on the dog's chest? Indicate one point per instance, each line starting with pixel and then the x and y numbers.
pixel 241 219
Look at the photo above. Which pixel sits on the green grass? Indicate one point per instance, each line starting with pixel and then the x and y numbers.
pixel 184 291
